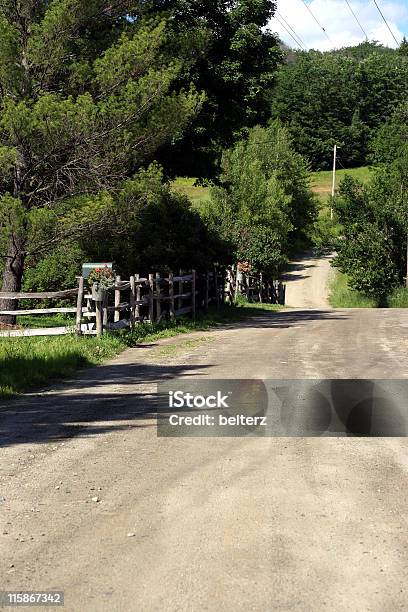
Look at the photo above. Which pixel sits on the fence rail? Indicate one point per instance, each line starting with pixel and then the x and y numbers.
pixel 148 299
pixel 48 295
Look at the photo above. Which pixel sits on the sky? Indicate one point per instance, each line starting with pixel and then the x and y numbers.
pixel 341 27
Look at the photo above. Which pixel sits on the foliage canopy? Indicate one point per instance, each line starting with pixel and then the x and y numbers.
pixel 264 203
pixel 339 97
pixel 375 216
pixel 88 93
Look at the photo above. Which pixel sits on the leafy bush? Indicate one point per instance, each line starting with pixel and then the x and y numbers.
pixel 151 228
pixel 366 256
pixel 325 232
pixel 264 202
pixel 55 271
pixel 375 216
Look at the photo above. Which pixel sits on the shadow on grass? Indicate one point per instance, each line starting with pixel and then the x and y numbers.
pixel 21 373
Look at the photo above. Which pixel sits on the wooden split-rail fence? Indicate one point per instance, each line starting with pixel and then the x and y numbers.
pixel 254 287
pixel 150 299
pixel 154 298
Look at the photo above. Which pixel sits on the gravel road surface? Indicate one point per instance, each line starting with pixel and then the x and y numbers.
pixel 307 279
pixel 92 502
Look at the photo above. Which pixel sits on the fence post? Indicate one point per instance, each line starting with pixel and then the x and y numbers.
pixel 138 297
pixel 230 296
pixel 132 302
pixel 237 283
pixel 171 296
pixel 151 298
pixel 275 292
pixel 193 294
pixel 180 291
pixel 99 317
pixel 247 284
pixel 158 295
pixel 79 305
pixel 116 316
pixel 207 290
pixel 105 311
pixel 282 294
pixel 217 295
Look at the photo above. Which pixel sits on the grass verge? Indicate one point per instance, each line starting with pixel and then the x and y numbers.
pixel 398 298
pixel 341 296
pixel 26 363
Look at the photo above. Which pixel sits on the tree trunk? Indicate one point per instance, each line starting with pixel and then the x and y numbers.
pixel 12 276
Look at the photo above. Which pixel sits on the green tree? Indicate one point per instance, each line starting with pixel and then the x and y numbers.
pixel 375 216
pixel 87 94
pixel 154 228
pixel 389 144
pixel 264 204
pixel 339 97
pixel 235 66
pixel 403 48
pixel 369 251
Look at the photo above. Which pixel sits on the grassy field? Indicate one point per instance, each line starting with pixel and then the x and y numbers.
pixel 321 184
pixel 187 187
pixel 322 181
pixel 26 363
pixel 398 298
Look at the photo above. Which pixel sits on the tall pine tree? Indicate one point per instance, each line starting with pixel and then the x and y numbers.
pixel 87 94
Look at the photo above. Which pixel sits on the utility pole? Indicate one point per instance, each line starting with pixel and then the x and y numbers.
pixel 334 180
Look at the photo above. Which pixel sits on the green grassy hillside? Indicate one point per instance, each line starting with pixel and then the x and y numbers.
pixel 322 181
pixel 186 186
pixel 321 184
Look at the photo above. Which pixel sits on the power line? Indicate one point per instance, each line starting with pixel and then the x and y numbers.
pixel 298 43
pixel 318 22
pixel 279 16
pixel 340 164
pixel 385 21
pixel 356 18
pixel 291 29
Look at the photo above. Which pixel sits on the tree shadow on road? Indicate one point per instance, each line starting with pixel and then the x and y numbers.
pixel 117 396
pixel 108 398
pixel 287 318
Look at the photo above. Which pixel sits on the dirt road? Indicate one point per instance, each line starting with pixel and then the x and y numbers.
pixel 188 524
pixel 307 279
